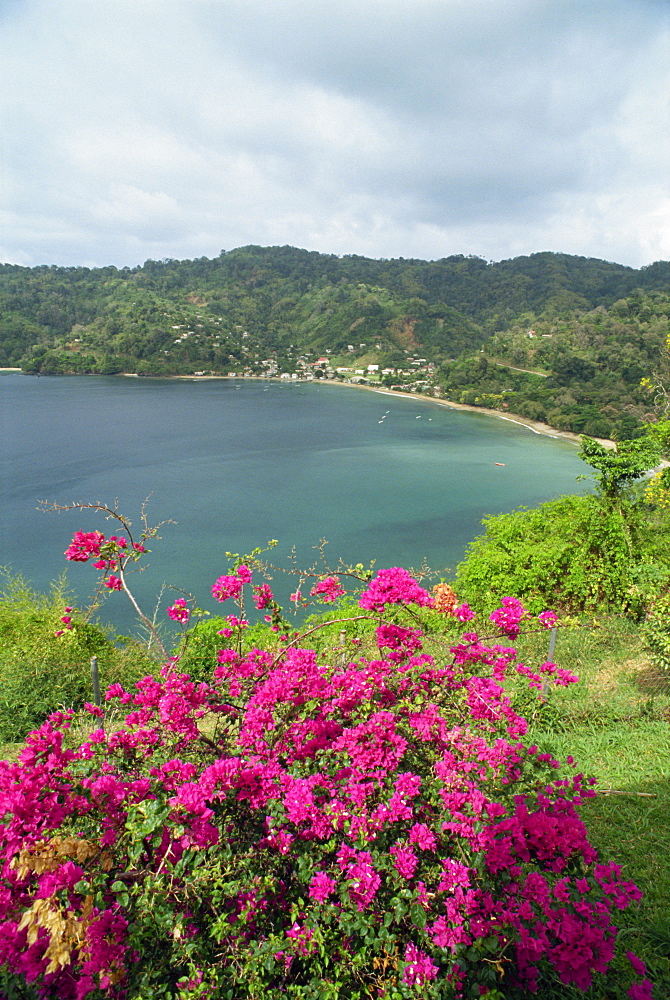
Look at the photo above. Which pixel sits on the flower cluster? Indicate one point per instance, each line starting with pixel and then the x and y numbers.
pixel 303 819
pixel 328 589
pixel 232 585
pixel 446 601
pixel 84 545
pixel 445 598
pixel 641 990
pixel 401 642
pixel 548 619
pixel 234 623
pixel 263 596
pixel 110 554
pixel 179 611
pixel 394 586
pixel 508 617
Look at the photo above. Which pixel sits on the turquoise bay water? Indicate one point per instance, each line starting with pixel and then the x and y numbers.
pixel 235 463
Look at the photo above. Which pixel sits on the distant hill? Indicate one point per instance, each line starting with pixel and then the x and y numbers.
pixel 256 305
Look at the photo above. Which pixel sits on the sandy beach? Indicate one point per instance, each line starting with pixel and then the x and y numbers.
pixel 533 425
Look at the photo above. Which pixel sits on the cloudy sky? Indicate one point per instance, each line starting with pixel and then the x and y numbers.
pixel 135 129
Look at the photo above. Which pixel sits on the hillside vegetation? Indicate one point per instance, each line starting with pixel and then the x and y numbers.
pixel 585 331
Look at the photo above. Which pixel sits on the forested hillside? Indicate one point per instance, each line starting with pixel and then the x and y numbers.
pixel 459 327
pixel 576 369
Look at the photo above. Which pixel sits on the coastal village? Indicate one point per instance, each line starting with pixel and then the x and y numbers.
pixel 416 374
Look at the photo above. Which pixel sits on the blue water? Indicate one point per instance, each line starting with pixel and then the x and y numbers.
pixel 235 463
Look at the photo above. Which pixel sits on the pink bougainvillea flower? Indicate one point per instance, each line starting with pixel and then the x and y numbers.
pixel 508 617
pixel 84 545
pixel 328 589
pixel 422 836
pixel 401 641
pixel 394 586
pixel 263 596
pixel 641 991
pixel 235 623
pixel 226 587
pixel 404 860
pixel 638 965
pixel 179 611
pixel 321 887
pixel 419 967
pixel 113 582
pixel 464 613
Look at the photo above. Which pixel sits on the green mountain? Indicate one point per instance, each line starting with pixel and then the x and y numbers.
pixel 598 326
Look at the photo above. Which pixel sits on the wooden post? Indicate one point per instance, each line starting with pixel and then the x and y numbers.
pixel 552 643
pixel 95 676
pixel 550 654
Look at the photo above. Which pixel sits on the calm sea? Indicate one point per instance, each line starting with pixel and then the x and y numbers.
pixel 235 463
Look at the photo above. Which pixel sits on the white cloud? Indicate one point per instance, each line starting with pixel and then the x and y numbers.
pixel 418 128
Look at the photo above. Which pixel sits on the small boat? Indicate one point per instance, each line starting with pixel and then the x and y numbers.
pixel 500 463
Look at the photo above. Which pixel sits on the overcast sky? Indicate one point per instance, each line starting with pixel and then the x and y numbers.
pixel 414 128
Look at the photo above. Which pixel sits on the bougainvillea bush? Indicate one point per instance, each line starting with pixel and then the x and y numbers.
pixel 306 825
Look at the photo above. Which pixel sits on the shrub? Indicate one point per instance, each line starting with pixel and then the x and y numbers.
pixel 306 826
pixel 657 632
pixel 45 661
pixel 577 553
pixel 574 554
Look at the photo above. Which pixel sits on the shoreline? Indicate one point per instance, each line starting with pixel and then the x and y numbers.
pixel 514 418
pixel 535 426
